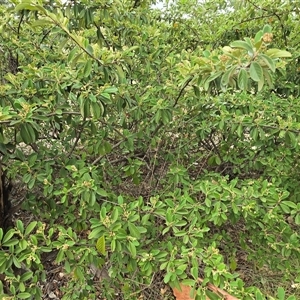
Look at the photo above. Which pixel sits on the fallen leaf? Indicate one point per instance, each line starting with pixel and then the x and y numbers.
pixel 184 294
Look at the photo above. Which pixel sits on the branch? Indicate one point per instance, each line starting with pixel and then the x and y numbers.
pixel 175 103
pixel 251 19
pixel 113 147
pixel 57 23
pixel 77 138
pixel 273 14
pixel 104 39
pixel 182 90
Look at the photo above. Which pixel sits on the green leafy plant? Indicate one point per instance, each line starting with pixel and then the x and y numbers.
pixel 150 146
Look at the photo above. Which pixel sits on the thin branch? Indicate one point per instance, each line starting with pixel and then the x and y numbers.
pixel 273 14
pixel 45 35
pixel 113 147
pixel 77 139
pixel 19 26
pixel 216 148
pixel 73 38
pixel 175 103
pixel 104 39
pixel 182 90
pixel 254 18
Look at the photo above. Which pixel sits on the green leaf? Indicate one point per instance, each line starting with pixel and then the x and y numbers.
pixel 120 73
pixel 290 204
pixel 111 90
pixel 212 296
pixel 239 130
pixel 242 45
pixel 31 182
pixel 291 138
pixel 41 22
pixel 24 295
pixel 227 75
pixel 297 219
pixel 89 49
pixel 75 60
pixel 280 293
pixel 233 264
pixel 168 277
pixel 132 249
pixel 189 282
pixel 268 61
pixel 268 78
pixel 87 68
pixel 20 226
pixel 258 296
pixel 84 107
pixel 95 232
pixel 27 177
pixel 267 29
pixel 256 72
pixel 276 53
pixel 101 192
pixel 11 242
pixel 79 274
pixel 72 54
pixel 100 245
pixel 30 227
pixel 260 84
pixel 258 36
pixel 16 262
pixel 27 133
pixel 285 208
pixel 96 109
pixel 254 133
pixel 213 76
pixel 8 235
pixel 243 79
pixel 134 232
pixel 60 256
pixel 26 6
pixel 195 272
pixel 26 276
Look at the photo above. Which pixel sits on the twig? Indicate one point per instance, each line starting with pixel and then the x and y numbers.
pixel 175 103
pixel 100 157
pixel 77 138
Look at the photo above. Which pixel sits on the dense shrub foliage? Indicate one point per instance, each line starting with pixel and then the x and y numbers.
pixel 150 142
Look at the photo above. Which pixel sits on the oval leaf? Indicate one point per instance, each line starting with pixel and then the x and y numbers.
pixel 100 245
pixel 256 72
pixel 276 53
pixel 268 61
pixel 242 45
pixel 243 79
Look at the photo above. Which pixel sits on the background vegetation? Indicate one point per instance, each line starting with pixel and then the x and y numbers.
pixel 149 148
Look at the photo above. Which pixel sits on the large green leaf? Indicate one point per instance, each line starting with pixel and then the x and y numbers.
pixel 268 61
pixel 100 245
pixel 227 75
pixel 256 72
pixel 277 53
pixel 242 45
pixel 243 79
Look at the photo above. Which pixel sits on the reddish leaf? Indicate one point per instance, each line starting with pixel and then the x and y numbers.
pixel 184 294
